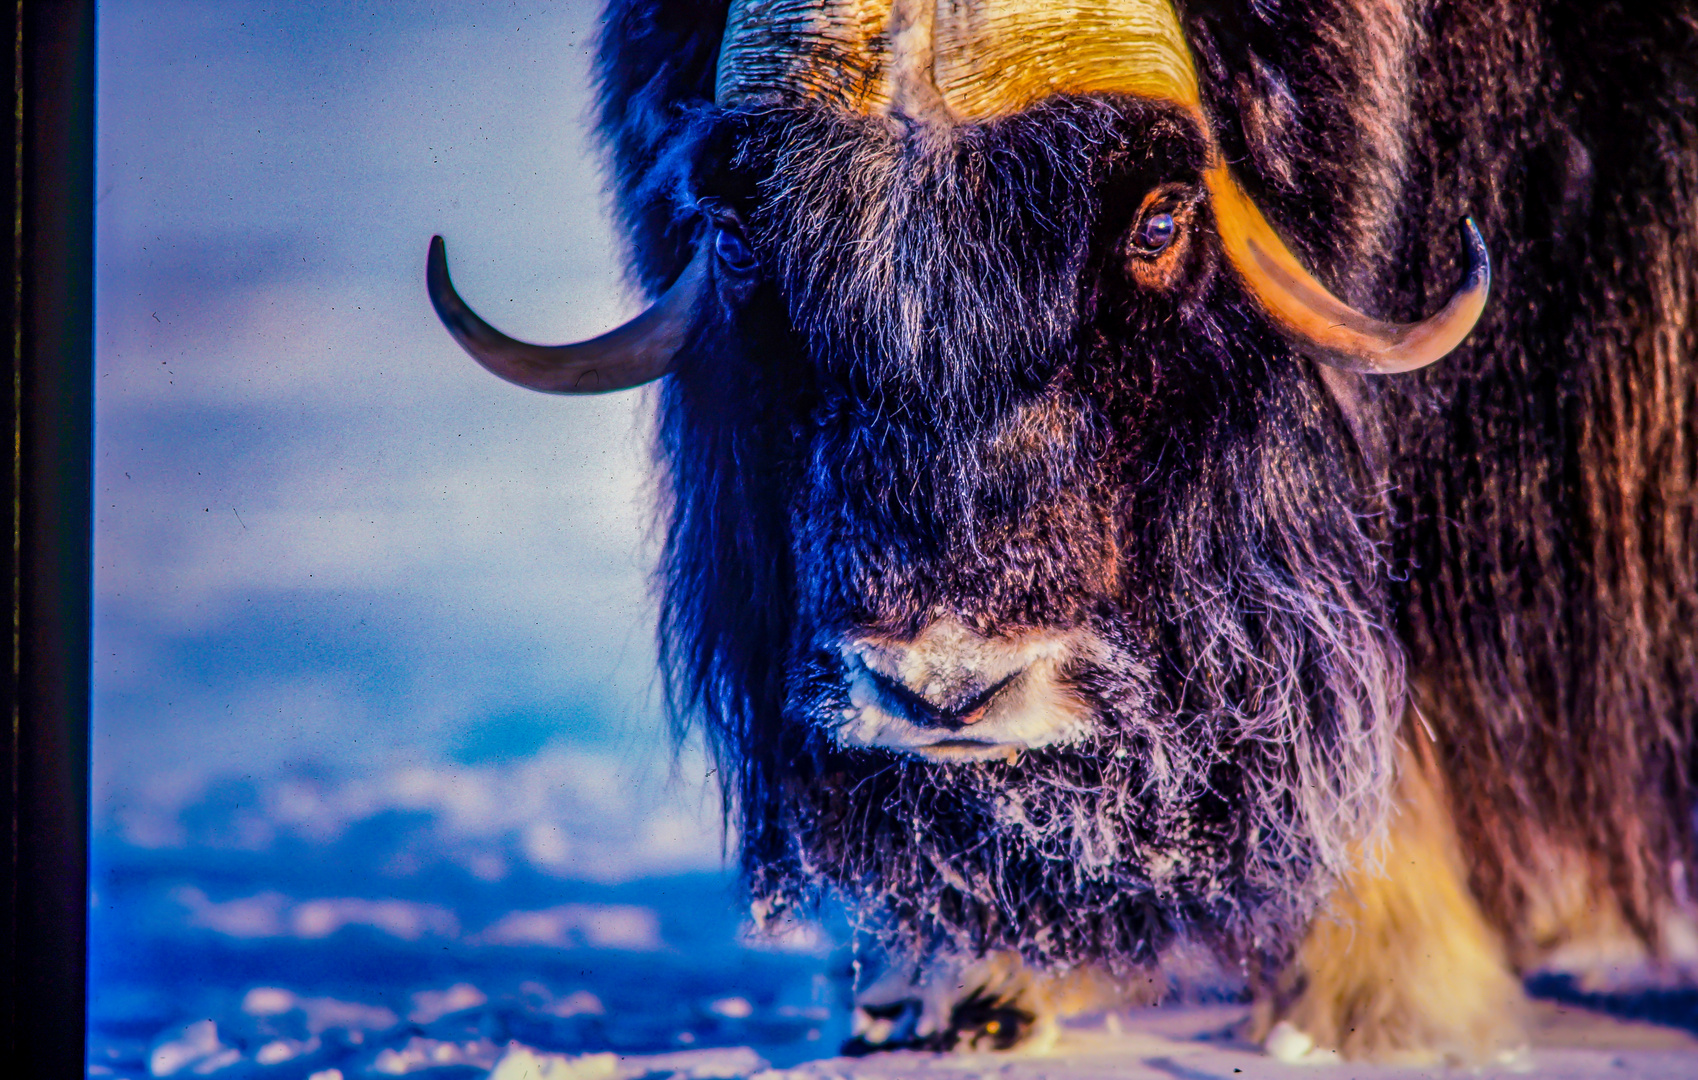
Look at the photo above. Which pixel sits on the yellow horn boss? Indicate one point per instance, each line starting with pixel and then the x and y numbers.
pixel 952 60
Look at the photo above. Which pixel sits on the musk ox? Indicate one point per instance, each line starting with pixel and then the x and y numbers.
pixel 1106 514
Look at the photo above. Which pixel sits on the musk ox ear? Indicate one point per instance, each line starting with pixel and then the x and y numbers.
pixel 638 352
pixel 654 69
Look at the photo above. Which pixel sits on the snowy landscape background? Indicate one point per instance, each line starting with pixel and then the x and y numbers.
pixel 377 742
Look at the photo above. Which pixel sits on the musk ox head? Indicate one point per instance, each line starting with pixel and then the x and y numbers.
pixel 1022 570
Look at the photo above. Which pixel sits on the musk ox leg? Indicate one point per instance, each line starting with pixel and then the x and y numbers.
pixel 1401 965
pixel 995 1002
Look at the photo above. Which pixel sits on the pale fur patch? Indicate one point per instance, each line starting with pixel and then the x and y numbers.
pixel 1574 925
pixel 1401 965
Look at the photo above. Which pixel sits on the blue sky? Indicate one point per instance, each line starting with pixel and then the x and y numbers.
pixel 328 543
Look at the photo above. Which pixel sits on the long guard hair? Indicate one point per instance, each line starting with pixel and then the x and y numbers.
pixel 1541 483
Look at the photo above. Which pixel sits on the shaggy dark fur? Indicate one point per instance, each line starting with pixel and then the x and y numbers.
pixel 942 392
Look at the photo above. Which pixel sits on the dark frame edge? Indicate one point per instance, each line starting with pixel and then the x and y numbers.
pixel 51 424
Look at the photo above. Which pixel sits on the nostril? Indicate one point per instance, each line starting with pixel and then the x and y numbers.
pixel 973 709
pixel 922 711
pixel 904 702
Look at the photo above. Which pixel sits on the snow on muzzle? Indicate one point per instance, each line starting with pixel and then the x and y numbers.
pixel 951 694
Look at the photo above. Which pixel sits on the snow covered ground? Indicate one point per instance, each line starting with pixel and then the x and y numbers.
pixel 1194 1043
pixel 424 919
pixel 369 926
pixel 1156 1044
pixel 509 1016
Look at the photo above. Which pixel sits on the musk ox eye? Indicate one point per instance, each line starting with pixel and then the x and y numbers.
pixel 1155 251
pixel 732 250
pixel 1155 233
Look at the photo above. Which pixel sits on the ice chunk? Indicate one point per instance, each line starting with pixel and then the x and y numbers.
pixel 270 914
pixel 429 1005
pixel 522 1063
pixel 325 1014
pixel 256 916
pixel 580 1003
pixel 281 1050
pixel 732 1008
pixel 267 1001
pixel 599 926
pixel 421 1053
pixel 398 918
pixel 196 1042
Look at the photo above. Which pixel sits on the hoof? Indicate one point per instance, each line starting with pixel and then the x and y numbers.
pixel 977 1022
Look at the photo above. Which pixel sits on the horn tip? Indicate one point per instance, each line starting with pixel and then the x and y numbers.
pixel 439 286
pixel 1479 259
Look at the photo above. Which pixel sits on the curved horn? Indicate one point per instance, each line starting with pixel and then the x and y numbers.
pixel 638 352
pixel 1336 333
